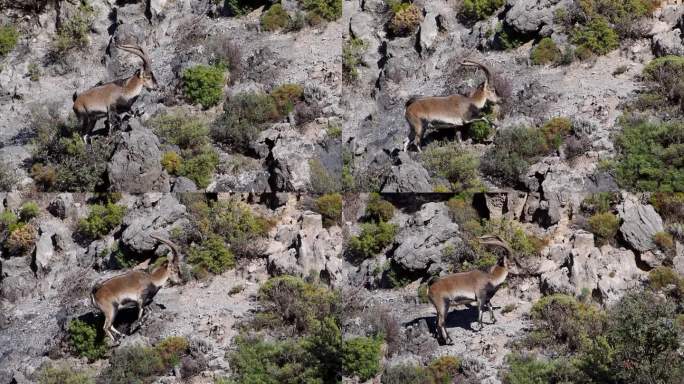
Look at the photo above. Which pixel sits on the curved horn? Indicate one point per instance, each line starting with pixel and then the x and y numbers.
pixel 170 244
pixel 485 68
pixel 138 51
pixel 496 241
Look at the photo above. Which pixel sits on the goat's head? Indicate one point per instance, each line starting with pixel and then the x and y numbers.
pixel 496 241
pixel 145 73
pixel 172 263
pixel 488 86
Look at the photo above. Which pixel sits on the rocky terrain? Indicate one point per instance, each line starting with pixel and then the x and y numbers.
pixel 270 153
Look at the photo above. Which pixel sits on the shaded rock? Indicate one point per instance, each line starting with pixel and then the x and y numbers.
pixel 640 224
pixel 183 184
pixel 668 43
pixel 135 165
pixel 18 280
pixel 62 205
pixel 424 236
pixel 407 176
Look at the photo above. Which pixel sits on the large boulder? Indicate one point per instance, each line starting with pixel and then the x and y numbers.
pixel 407 175
pixel 639 223
pixel 424 236
pixel 528 16
pixel 135 165
pixel 668 43
pixel 154 213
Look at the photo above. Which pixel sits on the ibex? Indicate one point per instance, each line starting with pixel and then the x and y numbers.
pixel 133 288
pixel 450 110
pixel 467 287
pixel 116 96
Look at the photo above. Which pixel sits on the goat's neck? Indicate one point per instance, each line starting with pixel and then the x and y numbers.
pixel 498 274
pixel 479 97
pixel 133 86
pixel 160 274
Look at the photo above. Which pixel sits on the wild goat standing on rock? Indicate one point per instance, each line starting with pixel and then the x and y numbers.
pixel 117 96
pixel 467 287
pixel 454 110
pixel 134 288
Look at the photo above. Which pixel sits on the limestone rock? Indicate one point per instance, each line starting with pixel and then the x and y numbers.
pixel 640 224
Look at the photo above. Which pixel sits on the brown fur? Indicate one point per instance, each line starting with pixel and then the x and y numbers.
pixel 468 287
pixel 454 110
pixel 134 287
pixel 115 96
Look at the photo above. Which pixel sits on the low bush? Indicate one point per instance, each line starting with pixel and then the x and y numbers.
pixel 101 219
pixel 171 349
pixel 663 77
pixel 297 303
pixel 9 37
pixel 73 33
pixel 286 96
pixel 8 179
pixel 275 18
pixel 200 168
pixel 406 18
pixel 321 181
pixel 649 158
pixel 317 10
pixel 670 206
pixel 444 369
pixel 661 277
pixel 203 84
pixel 211 256
pixel 330 207
pixel 604 226
pixel 514 151
pixel 406 374
pixel 171 162
pixel 597 37
pixel 374 237
pixel 479 131
pixel 361 357
pixel 352 54
pixel 21 239
pixel 86 341
pixel 480 9
pixel 545 52
pixel 188 133
pixel 461 209
pixel 555 130
pixel 62 374
pixel 625 16
pixel 378 209
pixel 454 163
pixel 242 7
pixel 600 202
pixel 133 364
pixel 527 369
pixel 664 241
pixel 245 116
pixel 28 211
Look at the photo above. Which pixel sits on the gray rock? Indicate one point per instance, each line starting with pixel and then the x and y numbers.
pixel 156 213
pixel 407 176
pixel 424 237
pixel 529 16
pixel 668 43
pixel 427 33
pixel 62 205
pixel 44 252
pixel 18 280
pixel 183 184
pixel 640 223
pixel 135 165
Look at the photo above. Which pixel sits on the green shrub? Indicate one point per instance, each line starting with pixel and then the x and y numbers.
pixel 479 130
pixel 296 302
pixel 86 341
pixel 444 369
pixel 461 210
pixel 522 243
pixel 361 357
pixel 212 256
pixel 242 7
pixel 600 202
pixel 171 349
pixel 171 162
pixel 664 76
pixel 101 220
pixel 275 18
pixel 74 31
pixel 670 206
pixel 34 72
pixel 526 369
pixel 649 156
pixel 624 15
pixel 21 239
pixel 597 37
pixel 545 52
pixel 480 9
pixel 188 133
pixel 8 39
pixel 555 130
pixel 405 20
pixel 203 84
pixel 62 374
pixel 566 320
pixel 286 96
pixel 379 209
pixel 28 211
pixel 200 168
pixel 330 207
pixel 321 180
pixel 330 10
pixel 352 57
pixel 604 226
pixel 134 364
pixel 406 374
pixel 374 237
pixel 454 163
pixel 334 131
pixel 514 151
pixel 664 240
pixel 660 277
pixel 245 116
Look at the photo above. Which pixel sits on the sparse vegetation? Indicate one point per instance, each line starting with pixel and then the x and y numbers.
pixel 141 364
pixel 62 374
pixel 352 53
pixel 74 31
pixel 374 237
pixel 86 340
pixel 664 85
pixel 406 18
pixel 454 163
pixel 545 52
pixel 21 239
pixel 286 96
pixel 378 209
pixel 480 9
pixel 203 84
pixel 275 18
pixel 321 181
pixel 670 206
pixel 211 256
pixel 28 211
pixel 604 226
pixel 9 37
pixel 245 116
pixel 318 10
pixel 595 38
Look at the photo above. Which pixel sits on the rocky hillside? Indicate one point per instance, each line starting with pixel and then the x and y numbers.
pixel 267 144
